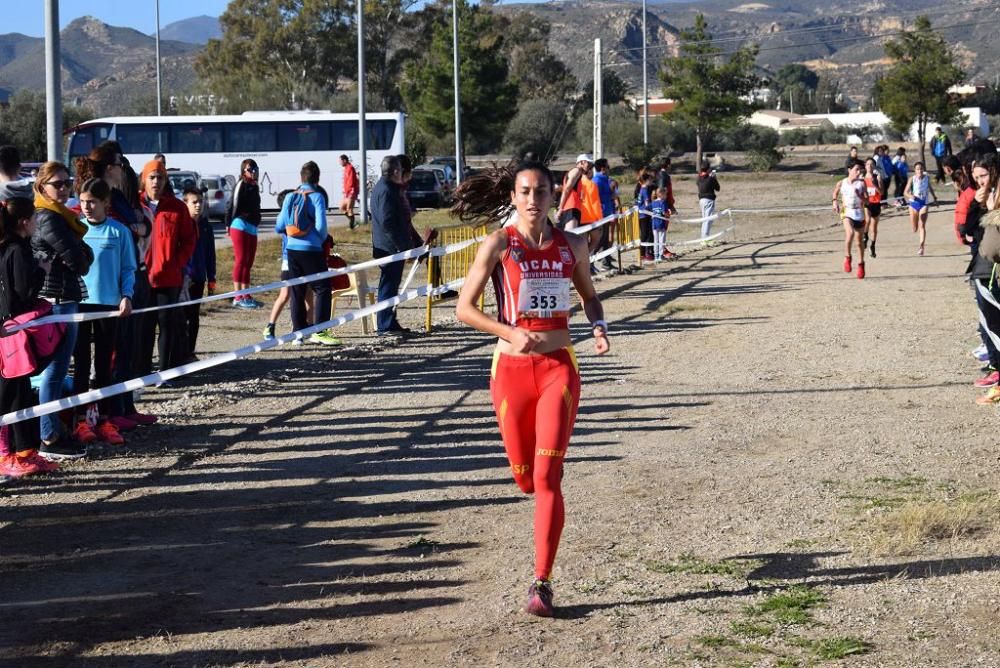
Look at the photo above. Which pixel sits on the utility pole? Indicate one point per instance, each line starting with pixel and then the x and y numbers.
pixel 459 161
pixel 598 99
pixel 53 82
pixel 159 82
pixel 645 82
pixel 362 125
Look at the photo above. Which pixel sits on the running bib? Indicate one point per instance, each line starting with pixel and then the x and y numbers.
pixel 543 297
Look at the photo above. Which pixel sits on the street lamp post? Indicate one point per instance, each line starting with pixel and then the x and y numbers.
pixel 458 99
pixel 362 129
pixel 53 83
pixel 159 84
pixel 645 82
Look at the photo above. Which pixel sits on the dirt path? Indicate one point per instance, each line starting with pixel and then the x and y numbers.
pixel 734 466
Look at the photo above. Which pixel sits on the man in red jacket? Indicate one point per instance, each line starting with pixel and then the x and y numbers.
pixel 351 188
pixel 171 245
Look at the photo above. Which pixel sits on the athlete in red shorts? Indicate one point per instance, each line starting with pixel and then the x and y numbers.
pixel 535 379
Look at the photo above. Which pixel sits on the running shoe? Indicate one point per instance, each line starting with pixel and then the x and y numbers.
pixel 13 466
pixel 43 465
pixel 981 353
pixel 847 264
pixel 237 302
pixel 325 338
pixel 297 342
pixel 648 257
pixel 106 432
pixel 873 249
pixel 989 380
pixel 668 255
pixel 123 423
pixel 540 599
pixel 920 250
pixel 861 270
pixel 990 398
pixel 246 304
pixel 269 331
pixel 84 433
pixel 64 448
pixel 254 303
pixel 143 419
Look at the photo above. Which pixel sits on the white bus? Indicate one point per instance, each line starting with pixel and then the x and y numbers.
pixel 280 142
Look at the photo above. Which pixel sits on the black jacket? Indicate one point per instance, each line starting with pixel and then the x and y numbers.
pixel 20 278
pixel 70 257
pixel 708 185
pixel 979 267
pixel 246 203
pixel 390 219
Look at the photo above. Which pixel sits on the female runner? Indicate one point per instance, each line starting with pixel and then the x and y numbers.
pixel 916 192
pixel 535 381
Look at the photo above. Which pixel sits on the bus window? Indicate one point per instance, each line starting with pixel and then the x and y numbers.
pixel 344 135
pixel 138 139
pixel 86 138
pixel 379 134
pixel 250 137
pixel 196 138
pixel 304 136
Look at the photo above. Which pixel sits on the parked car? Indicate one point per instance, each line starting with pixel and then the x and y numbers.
pixel 426 190
pixel 448 187
pixel 181 179
pixel 449 160
pixel 218 194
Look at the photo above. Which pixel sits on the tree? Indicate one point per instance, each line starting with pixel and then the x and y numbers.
pixel 388 27
pixel 915 89
pixel 538 73
pixel 711 91
pixel 22 123
pixel 278 53
pixel 614 90
pixel 795 74
pixel 535 128
pixel 488 97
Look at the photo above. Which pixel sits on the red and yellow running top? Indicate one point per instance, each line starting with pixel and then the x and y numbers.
pixel 533 284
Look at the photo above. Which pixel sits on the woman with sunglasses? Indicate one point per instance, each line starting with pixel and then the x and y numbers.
pixel 243 218
pixel 59 240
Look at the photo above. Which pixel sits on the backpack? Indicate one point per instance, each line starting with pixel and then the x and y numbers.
pixel 302 213
pixel 937 147
pixel 29 351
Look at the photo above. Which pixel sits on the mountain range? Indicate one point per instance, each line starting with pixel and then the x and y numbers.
pixel 112 69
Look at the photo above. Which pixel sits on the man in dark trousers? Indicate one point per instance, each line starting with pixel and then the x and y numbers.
pixel 941 149
pixel 390 235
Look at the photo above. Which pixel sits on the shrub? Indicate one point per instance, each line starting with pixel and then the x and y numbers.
pixel 764 159
pixel 535 128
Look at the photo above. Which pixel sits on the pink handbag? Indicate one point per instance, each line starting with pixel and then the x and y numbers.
pixel 29 351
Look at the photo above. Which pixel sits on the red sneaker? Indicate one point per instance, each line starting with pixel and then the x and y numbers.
pixel 861 270
pixel 989 380
pixel 143 419
pixel 83 433
pixel 123 423
pixel 106 432
pixel 540 599
pixel 667 255
pixel 847 264
pixel 41 463
pixel 13 466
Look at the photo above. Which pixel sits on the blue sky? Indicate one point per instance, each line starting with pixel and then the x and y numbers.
pixel 28 16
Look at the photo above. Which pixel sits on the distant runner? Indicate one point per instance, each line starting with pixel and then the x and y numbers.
pixel 849 200
pixel 916 192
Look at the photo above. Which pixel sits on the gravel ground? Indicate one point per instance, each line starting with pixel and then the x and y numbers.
pixel 743 465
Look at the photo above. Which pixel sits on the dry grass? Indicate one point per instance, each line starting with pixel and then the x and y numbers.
pixel 907 529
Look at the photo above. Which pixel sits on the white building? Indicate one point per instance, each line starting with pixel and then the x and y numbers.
pixel 975 118
pixel 784 121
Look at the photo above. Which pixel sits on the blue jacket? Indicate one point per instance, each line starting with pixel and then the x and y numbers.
pixel 112 274
pixel 390 219
pixel 313 241
pixel 603 183
pixel 201 266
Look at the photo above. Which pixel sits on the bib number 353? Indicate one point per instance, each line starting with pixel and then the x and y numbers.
pixel 543 297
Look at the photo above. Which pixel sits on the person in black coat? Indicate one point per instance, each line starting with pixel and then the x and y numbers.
pixel 391 234
pixel 21 278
